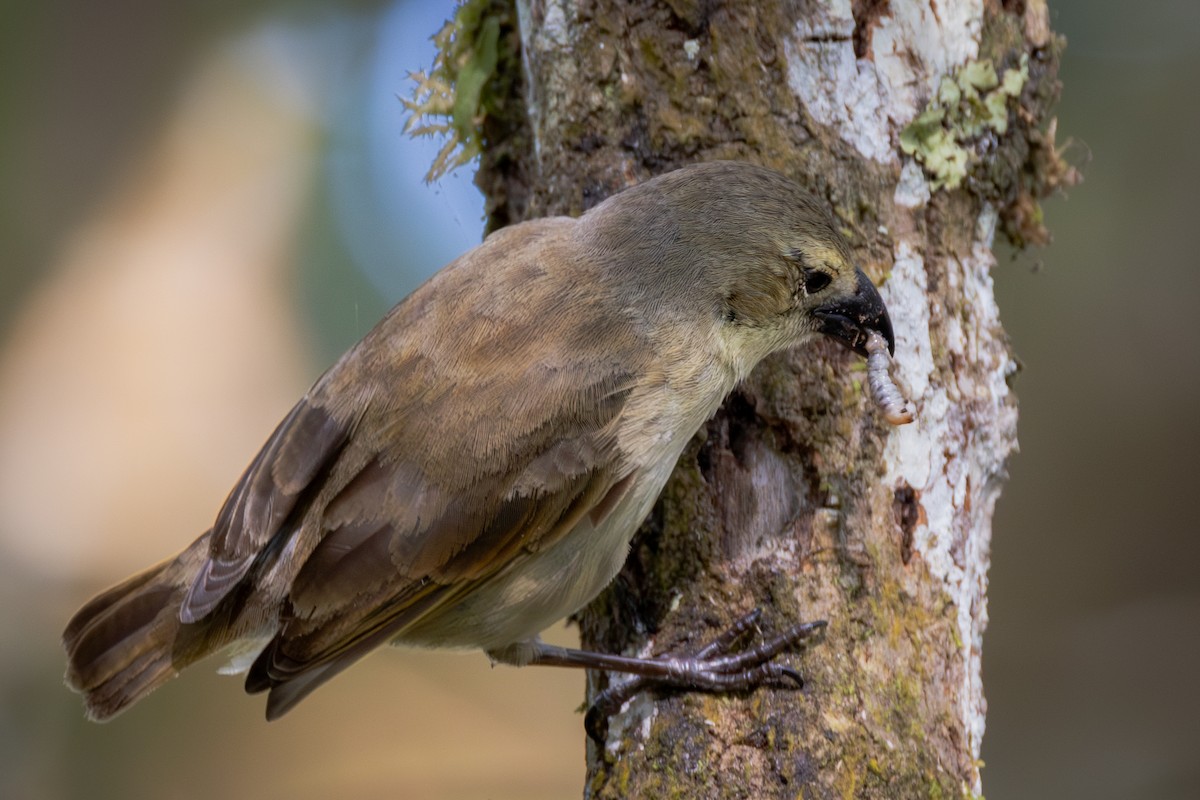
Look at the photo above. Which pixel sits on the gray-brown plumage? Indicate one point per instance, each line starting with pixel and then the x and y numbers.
pixel 474 468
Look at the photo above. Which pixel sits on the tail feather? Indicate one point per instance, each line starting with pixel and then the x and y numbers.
pixel 128 641
pixel 91 610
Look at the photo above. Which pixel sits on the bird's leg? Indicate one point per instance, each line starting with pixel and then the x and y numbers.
pixel 609 701
pixel 712 668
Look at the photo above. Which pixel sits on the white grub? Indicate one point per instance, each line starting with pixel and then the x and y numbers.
pixel 891 401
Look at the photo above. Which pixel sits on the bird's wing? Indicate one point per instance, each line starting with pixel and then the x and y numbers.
pixel 411 532
pixel 399 545
pixel 301 449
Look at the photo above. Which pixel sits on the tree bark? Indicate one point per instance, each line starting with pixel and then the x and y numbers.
pixel 797 497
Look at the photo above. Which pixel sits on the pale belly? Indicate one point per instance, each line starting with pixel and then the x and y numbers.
pixel 543 587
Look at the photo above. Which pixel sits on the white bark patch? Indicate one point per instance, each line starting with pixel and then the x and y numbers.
pixel 635 716
pixel 525 24
pixel 866 100
pixel 958 476
pixel 904 293
pixel 541 42
pixel 638 715
pixel 913 189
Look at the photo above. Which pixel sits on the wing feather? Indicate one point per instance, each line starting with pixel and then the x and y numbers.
pixel 304 445
pixel 381 570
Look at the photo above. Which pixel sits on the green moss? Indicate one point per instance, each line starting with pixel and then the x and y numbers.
pixel 624 769
pixel 968 105
pixel 846 783
pixel 456 96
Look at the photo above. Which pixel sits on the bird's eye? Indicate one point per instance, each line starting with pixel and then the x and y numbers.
pixel 815 280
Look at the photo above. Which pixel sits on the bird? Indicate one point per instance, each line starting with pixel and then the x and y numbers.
pixel 474 469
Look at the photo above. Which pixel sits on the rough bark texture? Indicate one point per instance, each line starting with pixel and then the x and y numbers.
pixel 797 497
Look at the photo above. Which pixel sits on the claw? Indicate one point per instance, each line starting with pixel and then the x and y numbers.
pixel 595 722
pixel 793 675
pixel 731 636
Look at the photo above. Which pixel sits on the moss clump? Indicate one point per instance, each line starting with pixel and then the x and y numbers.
pixel 970 104
pixel 463 87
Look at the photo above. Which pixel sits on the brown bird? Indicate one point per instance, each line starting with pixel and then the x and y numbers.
pixel 474 469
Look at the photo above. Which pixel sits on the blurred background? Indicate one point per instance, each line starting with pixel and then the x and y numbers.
pixel 202 204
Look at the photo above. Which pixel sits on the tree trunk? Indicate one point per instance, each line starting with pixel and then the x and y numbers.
pixel 797 497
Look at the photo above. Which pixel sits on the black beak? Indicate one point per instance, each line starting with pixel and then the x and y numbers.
pixel 850 320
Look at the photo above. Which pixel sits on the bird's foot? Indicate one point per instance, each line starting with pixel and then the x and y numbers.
pixel 715 667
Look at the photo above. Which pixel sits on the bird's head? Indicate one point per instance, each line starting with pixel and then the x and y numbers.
pixel 751 250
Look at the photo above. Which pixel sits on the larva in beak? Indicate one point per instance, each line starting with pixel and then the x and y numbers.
pixel 887 396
